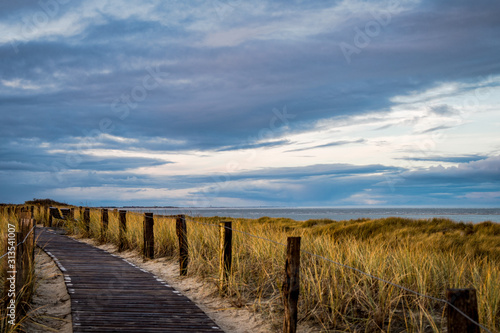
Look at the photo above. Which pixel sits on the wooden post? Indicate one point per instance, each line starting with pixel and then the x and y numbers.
pixel 27 250
pixel 181 229
pixel 104 223
pixel 291 285
pixel 466 301
pixel 51 214
pixel 226 252
pixel 86 221
pixel 19 263
pixel 122 229
pixel 149 238
pixel 47 215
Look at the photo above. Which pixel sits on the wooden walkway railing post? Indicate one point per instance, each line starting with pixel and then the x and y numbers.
pixel 181 230
pixel 51 215
pixel 104 223
pixel 225 261
pixel 19 263
pixel 291 284
pixel 86 221
pixel 466 301
pixel 122 229
pixel 149 238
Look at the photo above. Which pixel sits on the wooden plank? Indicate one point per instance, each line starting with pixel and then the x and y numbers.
pixel 110 295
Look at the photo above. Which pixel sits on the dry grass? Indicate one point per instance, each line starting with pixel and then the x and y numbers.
pixel 427 256
pixel 24 310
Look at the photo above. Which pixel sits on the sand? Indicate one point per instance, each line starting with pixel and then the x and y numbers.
pixel 51 301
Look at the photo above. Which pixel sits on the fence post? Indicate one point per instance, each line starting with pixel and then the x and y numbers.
pixel 86 221
pixel 122 229
pixel 291 285
pixel 19 263
pixel 51 213
pixel 104 222
pixel 466 301
pixel 28 250
pixel 181 229
pixel 226 252
pixel 149 238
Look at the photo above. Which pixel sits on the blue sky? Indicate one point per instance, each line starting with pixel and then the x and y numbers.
pixel 268 103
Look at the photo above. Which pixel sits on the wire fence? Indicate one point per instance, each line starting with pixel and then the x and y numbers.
pixel 359 271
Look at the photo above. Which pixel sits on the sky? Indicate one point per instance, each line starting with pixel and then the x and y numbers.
pixel 247 104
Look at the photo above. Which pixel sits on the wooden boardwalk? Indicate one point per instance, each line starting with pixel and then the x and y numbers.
pixel 109 294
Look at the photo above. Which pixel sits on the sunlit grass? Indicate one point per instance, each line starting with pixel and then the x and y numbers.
pixel 427 256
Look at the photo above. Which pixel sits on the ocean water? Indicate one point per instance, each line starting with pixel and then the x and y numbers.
pixel 474 215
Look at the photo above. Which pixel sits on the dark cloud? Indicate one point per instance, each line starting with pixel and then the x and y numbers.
pixel 449 159
pixel 444 110
pixel 331 144
pixel 60 90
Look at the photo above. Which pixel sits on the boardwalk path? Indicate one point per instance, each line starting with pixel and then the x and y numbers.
pixel 109 294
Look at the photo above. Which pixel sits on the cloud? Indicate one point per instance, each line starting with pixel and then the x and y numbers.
pixel 330 144
pixel 443 110
pixel 79 86
pixel 448 159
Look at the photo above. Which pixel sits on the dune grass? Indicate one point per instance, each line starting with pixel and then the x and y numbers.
pixel 23 296
pixel 427 256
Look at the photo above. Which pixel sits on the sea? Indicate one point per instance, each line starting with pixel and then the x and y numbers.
pixel 474 215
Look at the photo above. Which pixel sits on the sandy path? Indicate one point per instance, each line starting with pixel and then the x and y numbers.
pixel 51 302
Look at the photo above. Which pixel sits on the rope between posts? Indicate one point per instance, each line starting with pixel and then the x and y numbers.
pixel 24 240
pixel 361 272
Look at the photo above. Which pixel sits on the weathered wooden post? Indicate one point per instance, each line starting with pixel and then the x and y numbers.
pixel 46 215
pixel 20 252
pixel 226 252
pixel 181 230
pixel 149 238
pixel 122 229
pixel 86 221
pixel 51 215
pixel 466 301
pixel 104 223
pixel 291 284
pixel 27 249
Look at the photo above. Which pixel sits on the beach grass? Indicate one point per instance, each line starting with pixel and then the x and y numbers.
pixel 23 296
pixel 426 256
